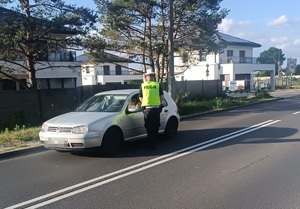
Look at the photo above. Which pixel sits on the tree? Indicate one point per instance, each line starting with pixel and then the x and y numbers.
pixel 272 56
pixel 33 29
pixel 297 70
pixel 140 28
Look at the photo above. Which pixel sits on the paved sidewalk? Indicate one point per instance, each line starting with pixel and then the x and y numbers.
pixel 278 93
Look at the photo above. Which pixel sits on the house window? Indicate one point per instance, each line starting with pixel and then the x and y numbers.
pixel 185 57
pixel 202 56
pixel 55 83
pixel 87 69
pixel 69 83
pixel 118 70
pixel 63 56
pixel 229 56
pixel 42 83
pixel 106 70
pixel 242 57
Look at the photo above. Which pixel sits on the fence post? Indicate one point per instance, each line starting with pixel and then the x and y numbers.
pixel 40 104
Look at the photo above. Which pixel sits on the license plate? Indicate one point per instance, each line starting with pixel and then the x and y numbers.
pixel 55 141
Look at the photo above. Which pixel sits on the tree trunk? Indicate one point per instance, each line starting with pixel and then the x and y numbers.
pixel 32 75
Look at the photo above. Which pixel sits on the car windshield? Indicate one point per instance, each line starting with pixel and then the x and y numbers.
pixel 103 103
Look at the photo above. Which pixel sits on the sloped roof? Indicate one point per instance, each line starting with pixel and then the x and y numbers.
pixel 231 40
pixel 9 15
pixel 106 57
pixel 5 14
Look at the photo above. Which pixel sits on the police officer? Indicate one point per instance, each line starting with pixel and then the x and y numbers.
pixel 151 95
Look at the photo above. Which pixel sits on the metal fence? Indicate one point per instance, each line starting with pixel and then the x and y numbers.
pixel 281 82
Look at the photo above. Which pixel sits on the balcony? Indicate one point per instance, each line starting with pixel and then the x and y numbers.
pixel 62 56
pixel 239 60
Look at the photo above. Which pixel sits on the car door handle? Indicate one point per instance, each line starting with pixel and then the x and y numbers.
pixel 165 110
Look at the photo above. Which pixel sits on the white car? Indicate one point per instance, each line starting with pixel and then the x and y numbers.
pixel 106 120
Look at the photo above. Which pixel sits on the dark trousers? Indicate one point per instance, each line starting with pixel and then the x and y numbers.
pixel 152 123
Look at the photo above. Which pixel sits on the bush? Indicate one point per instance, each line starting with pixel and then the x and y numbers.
pixel 19 134
pixel 263 93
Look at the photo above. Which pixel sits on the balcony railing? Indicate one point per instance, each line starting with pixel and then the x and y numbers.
pixel 245 60
pixel 62 56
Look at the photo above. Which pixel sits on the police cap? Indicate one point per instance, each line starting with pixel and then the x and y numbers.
pixel 150 74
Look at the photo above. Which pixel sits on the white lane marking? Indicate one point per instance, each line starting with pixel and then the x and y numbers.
pixel 130 168
pixel 143 166
pixel 295 113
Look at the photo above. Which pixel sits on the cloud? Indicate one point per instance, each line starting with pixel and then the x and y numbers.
pixel 296 42
pixel 244 23
pixel 279 39
pixel 281 42
pixel 226 25
pixel 231 25
pixel 279 21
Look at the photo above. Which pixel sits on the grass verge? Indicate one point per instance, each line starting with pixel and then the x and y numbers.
pixel 18 138
pixel 198 106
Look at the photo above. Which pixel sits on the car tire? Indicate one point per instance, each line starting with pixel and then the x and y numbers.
pixel 171 128
pixel 112 141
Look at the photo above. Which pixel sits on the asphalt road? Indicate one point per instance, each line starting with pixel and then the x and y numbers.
pixel 240 158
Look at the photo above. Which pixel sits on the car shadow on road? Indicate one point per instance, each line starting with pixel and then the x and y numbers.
pixel 195 138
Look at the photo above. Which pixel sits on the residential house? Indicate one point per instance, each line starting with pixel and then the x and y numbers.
pixel 110 70
pixel 235 63
pixel 54 70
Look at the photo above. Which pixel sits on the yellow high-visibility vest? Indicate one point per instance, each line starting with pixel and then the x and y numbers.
pixel 151 95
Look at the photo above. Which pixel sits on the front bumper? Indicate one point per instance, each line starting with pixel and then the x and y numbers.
pixel 62 141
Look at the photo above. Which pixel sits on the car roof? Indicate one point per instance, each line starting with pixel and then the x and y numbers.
pixel 119 91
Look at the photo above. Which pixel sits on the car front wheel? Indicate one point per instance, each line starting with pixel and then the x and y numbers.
pixel 171 128
pixel 112 141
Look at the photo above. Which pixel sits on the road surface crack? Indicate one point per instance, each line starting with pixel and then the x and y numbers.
pixel 250 164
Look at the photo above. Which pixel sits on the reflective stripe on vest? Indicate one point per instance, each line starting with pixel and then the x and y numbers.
pixel 151 95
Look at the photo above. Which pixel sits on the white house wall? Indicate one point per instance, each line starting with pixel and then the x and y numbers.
pixel 199 73
pixel 96 74
pixel 236 50
pixel 244 68
pixel 89 80
pixel 57 70
pixel 104 79
pixel 97 69
pixel 61 70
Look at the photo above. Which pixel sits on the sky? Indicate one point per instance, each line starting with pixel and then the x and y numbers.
pixel 271 23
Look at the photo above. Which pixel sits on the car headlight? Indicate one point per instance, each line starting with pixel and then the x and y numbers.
pixel 44 128
pixel 80 129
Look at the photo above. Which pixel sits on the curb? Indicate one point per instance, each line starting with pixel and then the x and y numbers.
pixel 40 148
pixel 21 152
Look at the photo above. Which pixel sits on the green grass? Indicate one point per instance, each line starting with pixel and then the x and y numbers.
pixel 198 106
pixel 295 87
pixel 19 136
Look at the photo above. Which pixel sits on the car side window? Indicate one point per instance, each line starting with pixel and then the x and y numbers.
pixel 134 104
pixel 164 103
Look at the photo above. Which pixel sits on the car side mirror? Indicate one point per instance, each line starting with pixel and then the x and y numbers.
pixel 132 109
